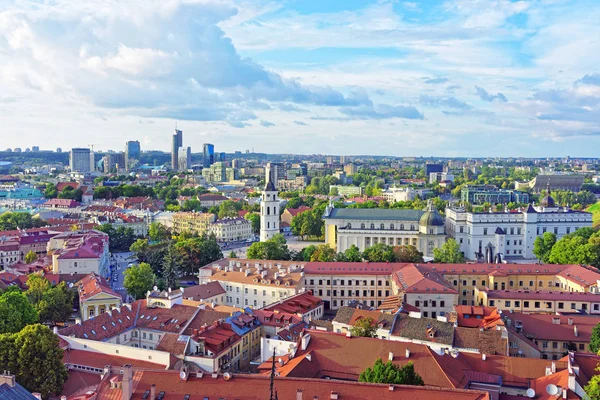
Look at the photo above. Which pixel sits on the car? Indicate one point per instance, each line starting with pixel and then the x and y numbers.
pixel 191 282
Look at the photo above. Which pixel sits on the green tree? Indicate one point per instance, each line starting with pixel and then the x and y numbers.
pixel 139 279
pixel 392 374
pixel 577 248
pixel 171 267
pixel 50 192
pixel 592 389
pixel 37 285
pixel 10 221
pixel 379 252
pixel 449 253
pixel 273 249
pixel 197 251
pixel 232 254
pixel 407 253
pixel 157 232
pixel 323 253
pixel 228 208
pixel 56 304
pixel 308 223
pixel 542 246
pixel 39 361
pixel 30 257
pixel 353 254
pixel 595 340
pixel 16 312
pixel 255 220
pixel 139 247
pixel 364 327
pixel 119 239
pixel 191 205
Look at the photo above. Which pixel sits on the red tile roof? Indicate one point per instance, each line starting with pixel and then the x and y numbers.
pixel 68 203
pixel 416 279
pixel 350 268
pixel 296 211
pixel 204 291
pixel 478 317
pixel 92 285
pixel 556 327
pixel 173 343
pixel 100 360
pixel 252 387
pixel 60 186
pixel 300 303
pixel 212 197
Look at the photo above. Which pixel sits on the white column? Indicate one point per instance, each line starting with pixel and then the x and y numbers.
pixel 96 311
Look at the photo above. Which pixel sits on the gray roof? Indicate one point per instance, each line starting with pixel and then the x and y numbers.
pixel 375 214
pixel 416 328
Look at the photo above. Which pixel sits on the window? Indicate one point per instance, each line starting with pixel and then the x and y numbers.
pixel 455 282
pixel 143 335
pixel 510 283
pixel 433 314
pixel 482 283
pixel 492 302
pixel 526 304
pixel 581 346
pixel 561 305
pixel 521 283
pixel 433 303
pixel 568 230
pixel 517 303
pixel 507 303
pixel 425 314
pixel 372 226
pixel 362 226
pixel 246 290
pixel 555 345
pixel 545 345
pixel 464 283
pixel 425 303
pixel 442 303
pixel 474 282
pixel 573 306
pixel 556 231
pixel 518 231
pixel 382 226
pixel 512 231
pixel 531 284
pixel 255 292
pixel 536 304
pixel 391 226
pixel 417 303
pixel 312 282
pixel 485 231
pixel 320 282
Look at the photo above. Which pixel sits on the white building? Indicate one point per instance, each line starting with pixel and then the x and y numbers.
pixel 81 160
pixel 393 195
pixel 254 284
pixel 365 227
pixel 511 234
pixel 269 212
pixel 80 252
pixel 231 229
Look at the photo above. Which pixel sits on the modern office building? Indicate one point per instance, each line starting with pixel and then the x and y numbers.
pixel 81 160
pixel 208 155
pixel 274 172
pixel 217 172
pixel 132 153
pixel 479 194
pixel 175 145
pixel 429 168
pixel 185 158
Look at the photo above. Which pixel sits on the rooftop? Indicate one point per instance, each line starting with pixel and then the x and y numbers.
pixel 300 303
pixel 541 295
pixel 554 327
pixel 424 329
pixel 92 285
pixel 375 214
pixel 205 291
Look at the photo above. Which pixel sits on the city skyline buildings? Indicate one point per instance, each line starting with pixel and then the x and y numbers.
pixel 491 79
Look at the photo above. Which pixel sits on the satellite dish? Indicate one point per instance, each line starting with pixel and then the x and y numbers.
pixel 70 285
pixel 530 393
pixel 182 375
pixel 552 389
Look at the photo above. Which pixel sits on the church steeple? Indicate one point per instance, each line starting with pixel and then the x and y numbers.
pixel 269 211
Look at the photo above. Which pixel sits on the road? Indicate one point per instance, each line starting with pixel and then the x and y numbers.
pixel 120 262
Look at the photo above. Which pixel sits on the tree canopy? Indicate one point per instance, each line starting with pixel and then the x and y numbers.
pixel 392 374
pixel 119 239
pixel 16 312
pixel 323 253
pixel 379 252
pixel 364 327
pixel 30 257
pixel 33 355
pixel 449 253
pixel 52 303
pixel 139 279
pixel 10 221
pixel 273 249
pixel 595 339
pixel 543 245
pixel 592 389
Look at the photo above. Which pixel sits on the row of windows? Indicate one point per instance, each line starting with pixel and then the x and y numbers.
pixel 390 241
pixel 568 230
pixel 538 304
pixel 350 293
pixel 510 284
pixel 342 282
pixel 382 226
pixel 432 302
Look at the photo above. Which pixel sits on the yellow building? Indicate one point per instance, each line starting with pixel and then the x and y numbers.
pixel 96 296
pixel 192 222
pixel 539 301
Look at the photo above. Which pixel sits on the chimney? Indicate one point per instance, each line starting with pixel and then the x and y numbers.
pixel 77 321
pixel 334 396
pixel 553 367
pixel 153 392
pixel 127 384
pixel 308 357
pixel 572 382
pixel 483 357
pixel 407 352
pixel 305 341
pixel 391 356
pixel 391 388
pixel 55 330
pixel 299 394
pixel 564 393
pixel 570 321
pixel 8 379
pixel 63 397
pixel 348 334
pixel 575 331
pixel 37 395
pixel 548 371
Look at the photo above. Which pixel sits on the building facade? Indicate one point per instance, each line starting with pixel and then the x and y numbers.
pixel 269 212
pixel 81 160
pixel 510 234
pixel 366 227
pixel 192 222
pixel 479 194
pixel 231 229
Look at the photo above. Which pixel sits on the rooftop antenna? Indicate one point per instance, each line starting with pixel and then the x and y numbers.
pixel 272 384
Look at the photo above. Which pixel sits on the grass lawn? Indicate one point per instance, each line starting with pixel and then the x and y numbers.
pixel 595 210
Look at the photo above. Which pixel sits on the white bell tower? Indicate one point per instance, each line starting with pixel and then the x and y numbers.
pixel 269 212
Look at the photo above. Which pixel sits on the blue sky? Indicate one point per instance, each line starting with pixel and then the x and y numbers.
pixel 422 78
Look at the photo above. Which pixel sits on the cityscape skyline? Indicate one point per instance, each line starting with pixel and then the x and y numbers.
pixel 449 78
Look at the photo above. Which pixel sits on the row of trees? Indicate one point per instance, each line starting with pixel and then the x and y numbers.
pixel 164 262
pixel 120 239
pixel 42 302
pixel 19 220
pixel 580 247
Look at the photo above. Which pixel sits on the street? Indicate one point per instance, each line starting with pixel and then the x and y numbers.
pixel 120 261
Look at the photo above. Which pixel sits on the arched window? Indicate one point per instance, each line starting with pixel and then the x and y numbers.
pixel 372 226
pixel 430 246
pixel 268 225
pixel 349 225
pixel 268 210
pixel 412 227
pixel 274 210
pixel 362 226
pixel 391 226
pixel 382 226
pixel 401 227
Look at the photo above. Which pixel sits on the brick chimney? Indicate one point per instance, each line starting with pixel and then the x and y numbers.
pixel 127 384
pixel 153 392
pixel 8 379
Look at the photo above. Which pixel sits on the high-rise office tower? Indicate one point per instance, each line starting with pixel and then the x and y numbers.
pixel 185 158
pixel 274 172
pixel 81 160
pixel 177 143
pixel 208 155
pixel 132 152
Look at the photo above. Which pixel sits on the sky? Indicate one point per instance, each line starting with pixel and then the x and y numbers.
pixel 463 78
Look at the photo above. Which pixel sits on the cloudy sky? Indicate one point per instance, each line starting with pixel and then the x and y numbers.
pixel 445 78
